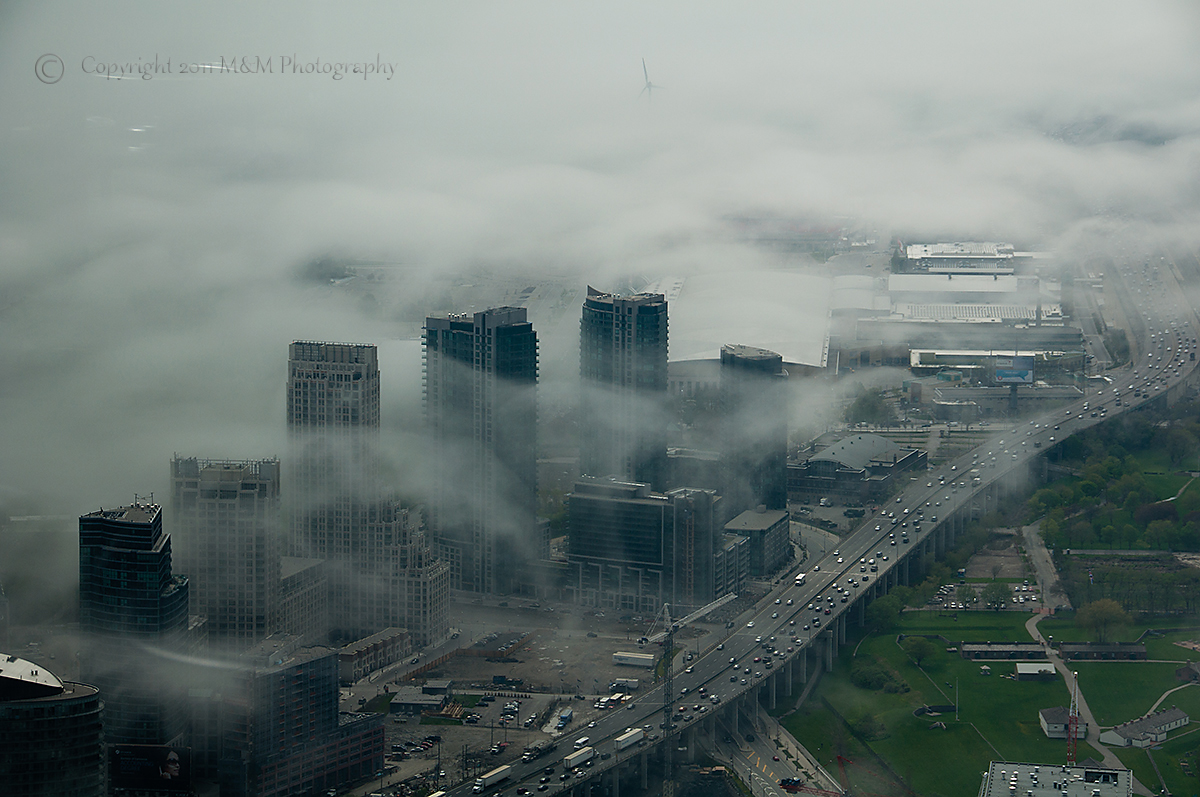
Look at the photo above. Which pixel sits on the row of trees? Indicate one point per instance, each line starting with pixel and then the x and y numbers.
pixel 1110 504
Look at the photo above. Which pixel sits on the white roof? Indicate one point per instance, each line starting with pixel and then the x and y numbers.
pixel 957 283
pixel 1005 779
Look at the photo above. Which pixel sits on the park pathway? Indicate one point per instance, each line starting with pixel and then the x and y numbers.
pixel 1093 735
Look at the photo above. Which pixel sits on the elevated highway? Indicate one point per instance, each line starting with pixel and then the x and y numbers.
pixel 798 621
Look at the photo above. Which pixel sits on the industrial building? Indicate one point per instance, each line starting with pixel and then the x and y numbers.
pixel 855 469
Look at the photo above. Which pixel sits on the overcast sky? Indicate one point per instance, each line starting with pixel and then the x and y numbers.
pixel 150 228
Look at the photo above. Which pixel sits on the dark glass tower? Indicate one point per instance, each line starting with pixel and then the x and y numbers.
pixel 754 425
pixel 132 611
pixel 623 374
pixel 481 412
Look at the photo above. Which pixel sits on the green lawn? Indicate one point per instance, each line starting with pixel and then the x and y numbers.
pixel 1165 485
pixel 1119 691
pixel 1164 647
pixel 1180 748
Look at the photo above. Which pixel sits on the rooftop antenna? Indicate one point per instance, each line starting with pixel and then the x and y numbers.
pixel 649 88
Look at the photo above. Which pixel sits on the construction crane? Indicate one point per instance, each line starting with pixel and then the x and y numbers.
pixel 664 618
pixel 1073 719
pixel 667 636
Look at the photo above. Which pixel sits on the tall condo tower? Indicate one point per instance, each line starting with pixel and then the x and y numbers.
pixel 377 557
pixel 333 433
pixel 481 411
pixel 227 525
pixel 132 610
pixel 623 374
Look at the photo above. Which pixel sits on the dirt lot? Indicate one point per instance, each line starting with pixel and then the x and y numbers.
pixel 1002 554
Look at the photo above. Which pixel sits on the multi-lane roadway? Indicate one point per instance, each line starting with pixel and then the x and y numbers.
pixel 787 621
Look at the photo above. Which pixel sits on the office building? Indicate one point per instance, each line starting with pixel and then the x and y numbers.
pixel 631 548
pixel 481 412
pixel 624 413
pixel 754 428
pixel 227 526
pixel 51 733
pixel 133 614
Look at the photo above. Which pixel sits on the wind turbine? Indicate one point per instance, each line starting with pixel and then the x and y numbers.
pixel 649 88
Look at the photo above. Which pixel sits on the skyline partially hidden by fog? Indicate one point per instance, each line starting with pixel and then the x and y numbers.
pixel 153 232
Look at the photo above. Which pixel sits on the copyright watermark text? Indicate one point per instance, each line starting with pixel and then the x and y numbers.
pixel 50 68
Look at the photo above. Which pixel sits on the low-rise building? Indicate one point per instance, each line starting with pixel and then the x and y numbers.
pixel 1002 650
pixel 359 659
pixel 1076 651
pixel 1055 722
pixel 1149 730
pixel 1034 671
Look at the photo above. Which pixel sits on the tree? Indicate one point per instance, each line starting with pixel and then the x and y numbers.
pixel 1101 617
pixel 884 613
pixel 995 595
pixel 918 648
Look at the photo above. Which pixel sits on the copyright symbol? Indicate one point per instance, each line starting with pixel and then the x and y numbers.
pixel 49 68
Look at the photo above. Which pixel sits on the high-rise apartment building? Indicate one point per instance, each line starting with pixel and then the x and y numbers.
pixel 133 612
pixel 753 428
pixel 623 372
pixel 481 412
pixel 282 733
pixel 378 563
pixel 333 431
pixel 227 527
pixel 51 733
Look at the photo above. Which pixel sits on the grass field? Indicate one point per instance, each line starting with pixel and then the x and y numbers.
pixel 997 719
pixel 998 716
pixel 1119 691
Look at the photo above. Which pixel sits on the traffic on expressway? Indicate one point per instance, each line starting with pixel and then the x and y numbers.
pixel 789 618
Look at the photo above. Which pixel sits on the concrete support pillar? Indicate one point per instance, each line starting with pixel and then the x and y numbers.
pixel 616 781
pixel 691 745
pixel 733 720
pixel 804 666
pixel 771 688
pixel 787 674
pixel 904 572
pixel 645 770
pixel 862 610
pixel 842 629
pixel 828 650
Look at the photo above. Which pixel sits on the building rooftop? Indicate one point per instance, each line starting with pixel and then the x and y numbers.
pixel 754 520
pixel 1006 779
pixel 367 642
pixel 1058 715
pixel 1150 724
pixel 857 450
pixel 134 513
pixel 23 680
